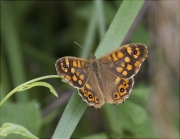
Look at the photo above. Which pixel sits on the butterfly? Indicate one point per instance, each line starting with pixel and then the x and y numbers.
pixel 109 77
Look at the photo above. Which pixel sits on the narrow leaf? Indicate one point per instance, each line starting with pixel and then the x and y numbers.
pixel 113 38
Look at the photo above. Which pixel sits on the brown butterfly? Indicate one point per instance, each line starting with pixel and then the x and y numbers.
pixel 109 77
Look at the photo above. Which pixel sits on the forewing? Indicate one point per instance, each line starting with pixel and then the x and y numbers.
pixel 125 61
pixel 74 70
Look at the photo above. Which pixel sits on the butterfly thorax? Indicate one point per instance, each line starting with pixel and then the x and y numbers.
pixel 94 63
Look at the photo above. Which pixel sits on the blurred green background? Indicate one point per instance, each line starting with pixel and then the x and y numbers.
pixel 34 34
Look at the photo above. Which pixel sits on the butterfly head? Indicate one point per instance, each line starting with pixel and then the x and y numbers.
pixel 92 57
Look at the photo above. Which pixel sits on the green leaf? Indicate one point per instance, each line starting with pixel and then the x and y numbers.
pixel 141 92
pixel 25 114
pixel 96 136
pixel 9 128
pixel 113 38
pixel 30 84
pixel 135 120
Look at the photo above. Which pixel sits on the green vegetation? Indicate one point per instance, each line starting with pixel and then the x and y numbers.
pixel 34 35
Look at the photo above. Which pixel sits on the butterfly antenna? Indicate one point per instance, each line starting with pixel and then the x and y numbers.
pixel 81 47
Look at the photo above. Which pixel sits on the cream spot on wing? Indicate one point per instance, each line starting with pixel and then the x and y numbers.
pixel 72 70
pixel 123 64
pixel 79 65
pixel 81 77
pixel 135 56
pixel 68 77
pixel 120 54
pixel 74 78
pixel 82 63
pixel 114 57
pixel 127 59
pixel 119 69
pixel 129 50
pixel 129 67
pixel 109 58
pixel 67 61
pixel 74 63
pixel 79 82
pixel 124 73
pixel 137 63
pixel 82 89
pixel 117 80
pixel 88 86
pixel 77 73
pixel 66 70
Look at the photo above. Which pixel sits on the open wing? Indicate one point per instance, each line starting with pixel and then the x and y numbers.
pixel 125 61
pixel 74 70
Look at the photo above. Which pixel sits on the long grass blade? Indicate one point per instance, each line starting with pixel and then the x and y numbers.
pixel 113 38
